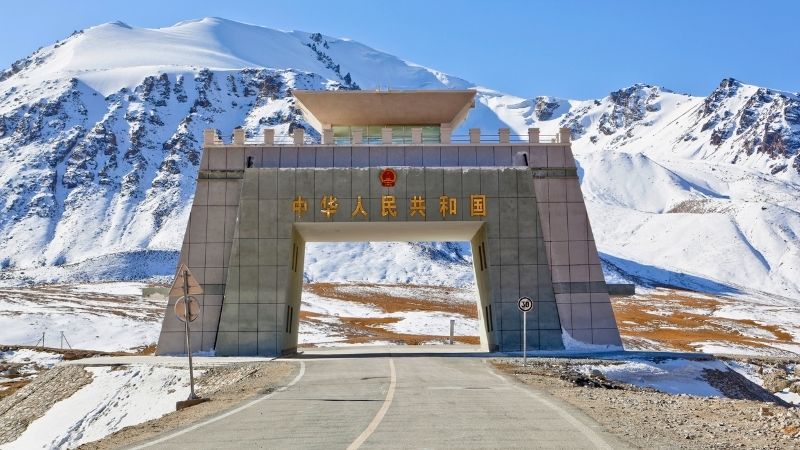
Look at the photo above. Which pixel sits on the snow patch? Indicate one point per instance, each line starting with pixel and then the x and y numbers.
pixel 672 376
pixel 116 398
pixel 112 288
pixel 573 345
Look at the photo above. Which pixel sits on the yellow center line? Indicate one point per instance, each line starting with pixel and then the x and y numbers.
pixel 381 412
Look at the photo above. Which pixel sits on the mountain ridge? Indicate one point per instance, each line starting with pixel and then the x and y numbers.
pixel 99 148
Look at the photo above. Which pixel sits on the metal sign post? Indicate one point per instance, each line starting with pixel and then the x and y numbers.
pixel 525 304
pixel 187 308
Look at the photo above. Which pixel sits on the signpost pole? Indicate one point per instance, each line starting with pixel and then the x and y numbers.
pixel 192 395
pixel 525 339
pixel 525 304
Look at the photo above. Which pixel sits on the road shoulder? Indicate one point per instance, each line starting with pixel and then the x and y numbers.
pixel 252 380
pixel 646 418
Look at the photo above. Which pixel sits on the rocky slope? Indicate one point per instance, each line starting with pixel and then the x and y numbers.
pixel 100 142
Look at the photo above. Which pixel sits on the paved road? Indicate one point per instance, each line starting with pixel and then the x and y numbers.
pixel 398 402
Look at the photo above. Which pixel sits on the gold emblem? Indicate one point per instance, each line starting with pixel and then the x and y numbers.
pixel 299 206
pixel 359 209
pixel 329 205
pixel 448 206
pixel 388 206
pixel 477 205
pixel 417 206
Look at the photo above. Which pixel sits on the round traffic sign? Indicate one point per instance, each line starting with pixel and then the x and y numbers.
pixel 180 309
pixel 525 304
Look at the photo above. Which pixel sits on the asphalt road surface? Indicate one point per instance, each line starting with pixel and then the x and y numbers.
pixel 398 401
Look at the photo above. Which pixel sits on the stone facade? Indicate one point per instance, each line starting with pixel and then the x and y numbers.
pixel 245 242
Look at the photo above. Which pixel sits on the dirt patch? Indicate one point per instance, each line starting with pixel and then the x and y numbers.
pixel 370 329
pixel 436 298
pixel 649 419
pixel 678 320
pixel 364 330
pixel 227 387
pixel 388 299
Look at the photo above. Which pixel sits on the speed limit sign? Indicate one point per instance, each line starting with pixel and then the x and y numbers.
pixel 525 304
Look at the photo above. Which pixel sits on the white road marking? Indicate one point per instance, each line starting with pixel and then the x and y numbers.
pixel 467 388
pixel 229 413
pixel 381 412
pixel 585 430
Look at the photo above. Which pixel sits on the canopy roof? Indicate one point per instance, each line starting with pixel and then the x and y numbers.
pixel 425 107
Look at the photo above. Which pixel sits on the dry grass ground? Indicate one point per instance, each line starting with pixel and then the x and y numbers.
pixel 679 320
pixel 659 319
pixel 388 299
pixel 432 298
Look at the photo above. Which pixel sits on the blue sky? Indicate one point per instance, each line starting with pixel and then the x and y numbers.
pixel 567 48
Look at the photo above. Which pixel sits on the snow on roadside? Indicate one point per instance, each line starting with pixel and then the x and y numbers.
pixel 573 345
pixel 747 370
pixel 756 373
pixel 672 376
pixel 116 398
pixel 789 397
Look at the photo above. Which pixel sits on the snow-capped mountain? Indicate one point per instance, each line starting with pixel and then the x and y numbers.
pixel 100 139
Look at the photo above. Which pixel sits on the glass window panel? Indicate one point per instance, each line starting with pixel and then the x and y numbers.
pixel 431 134
pixel 340 132
pixel 373 135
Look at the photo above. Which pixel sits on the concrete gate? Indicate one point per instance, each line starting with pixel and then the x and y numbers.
pixel 519 205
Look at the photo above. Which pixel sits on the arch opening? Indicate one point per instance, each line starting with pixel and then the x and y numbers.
pixel 388 313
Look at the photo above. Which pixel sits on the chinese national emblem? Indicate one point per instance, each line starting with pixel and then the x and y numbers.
pixel 388 177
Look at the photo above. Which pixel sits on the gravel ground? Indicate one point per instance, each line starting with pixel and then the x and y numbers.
pixel 227 386
pixel 654 420
pixel 32 401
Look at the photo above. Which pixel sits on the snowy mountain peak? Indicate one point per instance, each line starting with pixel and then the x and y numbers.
pixel 116 23
pixel 92 55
